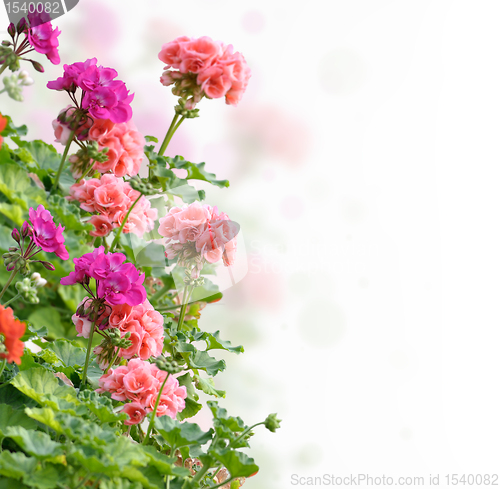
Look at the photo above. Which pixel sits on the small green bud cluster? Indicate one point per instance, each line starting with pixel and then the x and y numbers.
pixel 272 423
pixel 28 288
pixel 142 185
pixel 14 84
pixel 83 160
pixel 119 341
pixel 184 109
pixel 168 365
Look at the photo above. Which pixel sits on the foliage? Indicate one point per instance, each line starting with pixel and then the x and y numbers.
pixel 56 430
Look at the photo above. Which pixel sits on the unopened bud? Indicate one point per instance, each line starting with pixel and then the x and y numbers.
pixel 272 423
pixel 22 26
pixel 15 235
pixel 48 265
pixel 25 229
pixel 11 30
pixel 37 65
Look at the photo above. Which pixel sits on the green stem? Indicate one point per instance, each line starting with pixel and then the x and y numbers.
pixel 112 361
pixel 169 308
pixel 89 348
pixel 158 294
pixel 227 481
pixel 117 236
pixel 185 299
pixel 171 131
pixel 63 159
pixel 12 300
pixel 6 286
pixel 3 68
pixel 246 431
pixel 199 475
pixel 2 367
pixel 152 422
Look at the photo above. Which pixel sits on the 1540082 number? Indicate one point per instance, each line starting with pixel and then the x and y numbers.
pixel 32 7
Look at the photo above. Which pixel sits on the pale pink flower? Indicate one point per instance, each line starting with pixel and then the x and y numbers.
pixel 135 411
pixel 103 226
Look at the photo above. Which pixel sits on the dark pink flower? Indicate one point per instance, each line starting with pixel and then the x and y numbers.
pixel 45 233
pixel 82 266
pixel 43 38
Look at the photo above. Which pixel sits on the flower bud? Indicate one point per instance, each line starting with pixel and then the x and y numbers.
pixel 272 423
pixel 25 229
pixel 22 25
pixel 48 265
pixel 15 235
pixel 35 276
pixel 37 65
pixel 11 30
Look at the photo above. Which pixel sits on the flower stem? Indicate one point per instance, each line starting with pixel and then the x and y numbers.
pixel 246 431
pixel 185 299
pixel 89 347
pixel 2 367
pixel 120 229
pixel 112 361
pixel 171 131
pixel 199 475
pixel 152 422
pixel 6 286
pixel 63 159
pixel 12 300
pixel 3 68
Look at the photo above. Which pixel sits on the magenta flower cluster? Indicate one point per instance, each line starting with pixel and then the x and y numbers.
pixel 46 235
pixel 43 38
pixel 117 282
pixel 103 97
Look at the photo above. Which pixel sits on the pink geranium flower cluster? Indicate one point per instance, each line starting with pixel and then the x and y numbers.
pixel 46 235
pixel 142 321
pixel 43 38
pixel 125 146
pixel 117 282
pixel 111 198
pixel 139 382
pixel 216 70
pixel 196 232
pixel 103 97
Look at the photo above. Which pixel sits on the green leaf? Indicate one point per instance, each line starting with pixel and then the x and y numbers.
pixel 46 477
pixel 43 154
pixel 215 343
pixel 164 464
pixel 50 318
pixel 11 396
pixel 181 434
pixel 101 406
pixel 67 214
pixel 151 139
pixel 69 354
pixel 19 188
pixel 13 212
pixel 12 417
pixel 238 464
pixel 36 443
pixel 203 361
pixel 16 465
pixel 32 332
pixel 37 383
pixel 11 129
pixel 191 408
pixel 196 171
pixel 207 386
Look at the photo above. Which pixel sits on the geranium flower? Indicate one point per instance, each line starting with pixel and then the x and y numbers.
pixel 12 330
pixel 45 233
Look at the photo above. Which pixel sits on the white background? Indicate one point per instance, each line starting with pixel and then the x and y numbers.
pixel 364 170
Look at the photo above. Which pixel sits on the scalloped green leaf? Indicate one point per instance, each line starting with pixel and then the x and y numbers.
pixel 12 417
pixel 37 383
pixel 203 361
pixel 181 434
pixel 16 464
pixel 196 171
pixel 36 443
pixel 69 354
pixel 207 386
pixel 238 464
